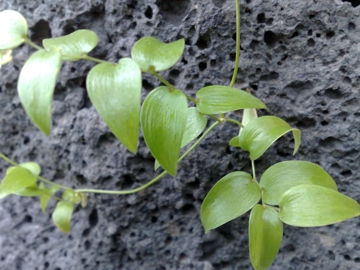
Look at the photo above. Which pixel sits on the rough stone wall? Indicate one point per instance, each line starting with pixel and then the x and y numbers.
pixel 300 57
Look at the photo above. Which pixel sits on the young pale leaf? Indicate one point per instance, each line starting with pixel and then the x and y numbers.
pixel 249 115
pixel 163 121
pixel 33 167
pixel 72 196
pixel 15 180
pixel 62 216
pixel 5 57
pixel 196 123
pixel 74 45
pixel 36 86
pixel 115 91
pixel 217 99
pixel 150 53
pixel 257 136
pixel 13 29
pixel 285 175
pixel 265 236
pixel 232 196
pixel 312 205
pixel 30 191
pixel 46 195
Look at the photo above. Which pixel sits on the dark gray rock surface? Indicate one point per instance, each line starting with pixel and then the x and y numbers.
pixel 302 58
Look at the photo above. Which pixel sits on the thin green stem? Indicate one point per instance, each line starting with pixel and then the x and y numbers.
pixel 230 120
pixel 237 51
pixel 253 170
pixel 164 81
pixel 93 59
pixel 214 117
pixel 32 44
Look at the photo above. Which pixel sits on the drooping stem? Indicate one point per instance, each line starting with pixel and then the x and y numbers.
pixel 230 120
pixel 93 59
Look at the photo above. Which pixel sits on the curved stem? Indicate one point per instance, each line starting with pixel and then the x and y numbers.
pixel 93 59
pixel 32 44
pixel 230 120
pixel 237 51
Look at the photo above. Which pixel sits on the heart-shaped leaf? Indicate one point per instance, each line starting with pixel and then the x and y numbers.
pixel 312 205
pixel 36 86
pixel 261 133
pixel 218 99
pixel 150 53
pixel 163 121
pixel 74 45
pixel 62 216
pixel 265 236
pixel 13 29
pixel 196 123
pixel 115 91
pixel 232 196
pixel 285 175
pixel 15 180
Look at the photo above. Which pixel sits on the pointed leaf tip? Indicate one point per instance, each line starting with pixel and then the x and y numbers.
pixel 36 86
pixel 232 196
pixel 115 92
pixel 150 52
pixel 163 121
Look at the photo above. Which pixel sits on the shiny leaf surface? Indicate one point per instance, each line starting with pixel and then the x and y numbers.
pixel 163 121
pixel 17 179
pixel 13 29
pixel 62 216
pixel 285 175
pixel 312 205
pixel 74 45
pixel 261 133
pixel 36 86
pixel 218 99
pixel 150 52
pixel 115 91
pixel 265 236
pixel 232 196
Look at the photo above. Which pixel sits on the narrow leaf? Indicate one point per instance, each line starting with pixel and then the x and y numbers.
pixel 285 175
pixel 163 121
pixel 217 99
pixel 62 216
pixel 196 123
pixel 312 205
pixel 17 179
pixel 74 45
pixel 265 236
pixel 249 115
pixel 150 53
pixel 46 195
pixel 115 92
pixel 13 29
pixel 261 133
pixel 232 196
pixel 29 191
pixel 36 86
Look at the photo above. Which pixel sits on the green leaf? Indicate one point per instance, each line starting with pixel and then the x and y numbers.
pixel 17 179
pixel 30 191
pixel 115 92
pixel 13 29
pixel 62 216
pixel 36 86
pixel 46 195
pixel 312 205
pixel 218 99
pixel 249 115
pixel 261 133
pixel 196 123
pixel 163 121
pixel 150 53
pixel 232 196
pixel 265 236
pixel 33 167
pixel 5 57
pixel 72 196
pixel 285 175
pixel 234 142
pixel 74 45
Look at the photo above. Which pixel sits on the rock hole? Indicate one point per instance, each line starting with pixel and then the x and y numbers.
pixel 93 218
pixel 86 232
pixel 202 66
pixel 40 31
pixel 333 93
pixel 346 173
pixel 80 178
pixel 148 12
pixel 87 245
pixel 204 42
pixel 174 73
pixel 46 264
pixel 173 11
pixel 270 38
pixel 310 32
pixel 125 182
pixel 354 3
pixel 261 18
pixel 330 35
pixel 351 26
pixel 311 42
pixel 347 257
pixel 154 219
pixel 147 86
